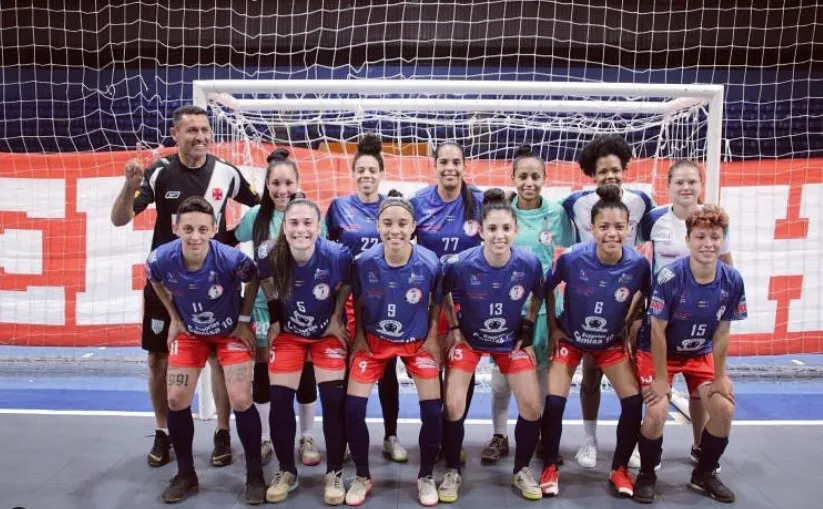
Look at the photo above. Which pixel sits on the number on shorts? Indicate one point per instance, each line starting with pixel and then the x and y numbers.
pixel 174 348
pixel 456 354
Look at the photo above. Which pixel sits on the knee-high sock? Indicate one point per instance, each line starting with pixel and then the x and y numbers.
pixel 283 426
pixel 453 433
pixel 552 428
pixel 388 388
pixel 357 433
pixel 650 452
pixel 307 389
pixel 526 435
pixel 333 399
pixel 431 415
pixel 181 435
pixel 628 428
pixel 249 430
pixel 711 449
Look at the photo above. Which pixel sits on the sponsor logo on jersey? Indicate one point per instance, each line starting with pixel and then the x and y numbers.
pixel 657 305
pixel 217 194
pixel 320 291
pixel 516 292
pixel 594 324
pixel 517 276
pixel 204 318
pixel 416 278
pixel 691 345
pixel 321 274
pixel 373 277
pixel 172 195
pixel 494 325
pixel 546 237
pixel 621 294
pixel 390 328
pixel 475 280
pixel 413 295
pixel 582 275
pixel 664 276
pixel 215 291
pixel 471 227
pixel 157 326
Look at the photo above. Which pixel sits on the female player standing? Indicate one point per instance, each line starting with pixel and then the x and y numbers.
pixel 687 331
pixel 605 160
pixel 605 284
pixel 665 227
pixel 542 226
pixel 396 290
pixel 352 221
pixel 306 280
pixel 493 282
pixel 259 224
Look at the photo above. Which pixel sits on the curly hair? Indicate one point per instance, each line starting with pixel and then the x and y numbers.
pixel 708 216
pixel 602 146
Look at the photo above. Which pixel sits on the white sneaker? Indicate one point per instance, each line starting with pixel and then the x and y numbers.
pixel 280 487
pixel 334 493
pixel 358 490
pixel 394 451
pixel 634 460
pixel 309 453
pixel 447 492
pixel 427 491
pixel 524 481
pixel 587 454
pixel 266 451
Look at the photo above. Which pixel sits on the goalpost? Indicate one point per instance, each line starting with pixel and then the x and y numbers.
pixel 661 122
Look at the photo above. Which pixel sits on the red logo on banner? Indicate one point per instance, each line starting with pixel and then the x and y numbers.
pixel 217 194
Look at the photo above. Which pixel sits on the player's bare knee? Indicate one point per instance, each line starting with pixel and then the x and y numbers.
pixel 590 382
pixel 454 408
pixel 721 409
pixel 178 398
pixel 657 414
pixel 530 410
pixel 240 397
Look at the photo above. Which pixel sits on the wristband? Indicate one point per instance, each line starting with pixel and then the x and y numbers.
pixel 526 333
pixel 244 319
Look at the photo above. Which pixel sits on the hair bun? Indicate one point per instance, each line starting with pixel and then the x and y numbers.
pixel 394 193
pixel 299 195
pixel 494 195
pixel 280 154
pixel 524 150
pixel 370 144
pixel 609 192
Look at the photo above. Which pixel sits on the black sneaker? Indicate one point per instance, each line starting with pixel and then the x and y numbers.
pixel 498 446
pixel 159 454
pixel 221 456
pixel 180 487
pixel 644 487
pixel 709 483
pixel 694 455
pixel 255 488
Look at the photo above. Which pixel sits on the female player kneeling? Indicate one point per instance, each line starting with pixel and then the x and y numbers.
pixel 687 331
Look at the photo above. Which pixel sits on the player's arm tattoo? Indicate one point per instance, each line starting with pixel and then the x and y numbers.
pixel 238 373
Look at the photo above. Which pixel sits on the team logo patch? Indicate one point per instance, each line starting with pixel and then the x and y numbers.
pixel 321 291
pixel 516 292
pixel 215 291
pixel 546 237
pixel 413 295
pixel 157 326
pixel 656 305
pixel 217 194
pixel 172 195
pixel 621 294
pixel 471 227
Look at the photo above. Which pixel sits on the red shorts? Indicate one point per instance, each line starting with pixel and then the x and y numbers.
pixel 288 353
pixel 189 351
pixel 697 371
pixel 443 320
pixel 367 368
pixel 465 358
pixel 570 355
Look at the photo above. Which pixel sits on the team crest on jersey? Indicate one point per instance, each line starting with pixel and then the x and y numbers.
pixel 373 277
pixel 215 291
pixel 621 294
pixel 595 324
pixel 157 326
pixel 320 291
pixel 471 227
pixel 516 292
pixel 546 237
pixel 657 305
pixel 217 194
pixel 413 295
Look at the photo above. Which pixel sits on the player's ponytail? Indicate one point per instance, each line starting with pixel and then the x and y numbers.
pixel 395 199
pixel 369 145
pixel 610 198
pixel 281 259
pixel 260 229
pixel 495 199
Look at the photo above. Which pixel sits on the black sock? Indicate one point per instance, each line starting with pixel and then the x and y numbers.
pixel 260 383
pixel 650 451
pixel 307 388
pixel 552 428
pixel 453 433
pixel 526 435
pixel 469 397
pixel 357 433
pixel 333 399
pixel 249 430
pixel 388 388
pixel 431 434
pixel 283 426
pixel 181 435
pixel 628 427
pixel 711 449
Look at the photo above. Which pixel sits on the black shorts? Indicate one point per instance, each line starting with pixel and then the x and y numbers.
pixel 156 322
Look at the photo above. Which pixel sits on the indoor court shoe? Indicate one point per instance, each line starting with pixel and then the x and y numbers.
pixel 709 483
pixel 587 454
pixel 334 493
pixel 180 487
pixel 524 481
pixel 266 452
pixel 695 457
pixel 427 491
pixel 159 454
pixel 644 487
pixel 448 490
pixel 309 453
pixel 359 489
pixel 550 481
pixel 497 447
pixel 634 459
pixel 281 485
pixel 394 451
pixel 622 482
pixel 255 488
pixel 221 455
